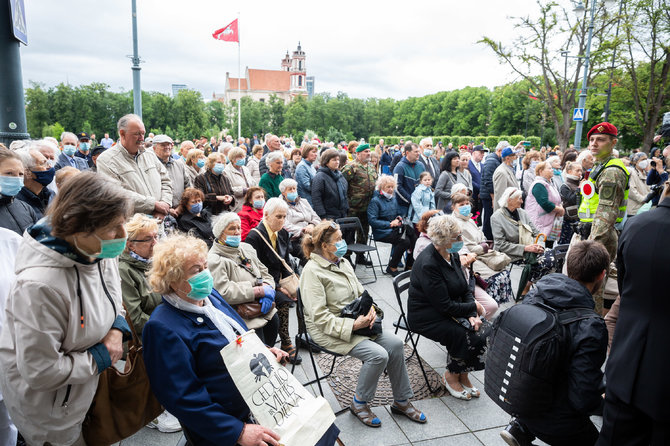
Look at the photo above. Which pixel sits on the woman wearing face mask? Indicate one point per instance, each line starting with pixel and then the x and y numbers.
pixel 543 203
pixel 239 176
pixel 195 161
pixel 441 306
pixel 638 189
pixel 569 192
pixel 53 349
pixel 327 285
pixel 557 174
pixel 15 215
pixel 241 278
pixel 182 343
pixel 529 163
pixel 300 219
pixel 215 185
pixel 252 210
pixel 193 218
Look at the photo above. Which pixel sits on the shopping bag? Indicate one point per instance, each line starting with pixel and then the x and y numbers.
pixel 275 397
pixel 555 232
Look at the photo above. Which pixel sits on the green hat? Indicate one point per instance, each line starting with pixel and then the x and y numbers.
pixel 362 147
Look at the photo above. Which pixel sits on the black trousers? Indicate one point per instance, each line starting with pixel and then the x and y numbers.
pixel 268 333
pixel 400 245
pixel 577 430
pixel 487 209
pixel 624 424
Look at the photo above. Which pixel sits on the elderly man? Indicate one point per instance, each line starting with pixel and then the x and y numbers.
pixel 504 176
pixel 84 148
pixel 426 158
pixel 176 169
pixel 69 143
pixel 361 177
pixel 139 170
pixel 37 176
pixel 273 144
pixel 184 148
pixel 486 194
pixel 50 152
pixel 587 161
pixel 407 172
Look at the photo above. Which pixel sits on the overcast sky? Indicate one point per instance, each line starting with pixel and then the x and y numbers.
pixel 364 48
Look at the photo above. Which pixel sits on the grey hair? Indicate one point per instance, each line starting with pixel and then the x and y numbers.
pixel 39 143
pixel 383 179
pixel 502 144
pixel 288 182
pixel 458 187
pixel 273 205
pixel 18 144
pixel 236 152
pixel 223 221
pixel 510 192
pixel 551 159
pixel 442 228
pixel 123 122
pixel 26 157
pixel 425 141
pixel 582 155
pixel 224 146
pixel 274 156
pixel 66 134
pixel 267 138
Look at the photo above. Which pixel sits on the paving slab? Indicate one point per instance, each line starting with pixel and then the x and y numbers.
pixel 354 432
pixel 455 440
pixel 477 413
pixel 441 421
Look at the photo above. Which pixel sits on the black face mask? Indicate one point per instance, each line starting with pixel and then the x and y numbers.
pixel 44 177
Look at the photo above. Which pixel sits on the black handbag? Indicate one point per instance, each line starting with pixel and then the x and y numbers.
pixel 361 306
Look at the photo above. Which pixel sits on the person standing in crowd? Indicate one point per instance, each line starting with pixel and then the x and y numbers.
pixel 448 177
pixel 252 210
pixel 429 162
pixel 106 142
pixel 253 162
pixel 214 184
pixel 176 169
pixel 475 168
pixel 84 148
pixel 95 153
pixel 504 176
pixel 586 159
pixel 463 175
pixel 138 170
pixel 385 160
pixel 557 174
pixel 602 212
pixel 635 411
pixel 15 215
pixel 69 143
pixel 638 187
pixel 543 203
pixel 529 163
pixel 270 180
pixel 38 175
pixel 184 148
pixel 53 350
pixel 361 178
pixel 423 198
pixel 486 192
pixel 579 387
pixel 569 192
pixel 273 145
pixel 195 162
pixel 657 173
pixel 407 172
pixel 305 172
pixel 239 176
pixel 329 188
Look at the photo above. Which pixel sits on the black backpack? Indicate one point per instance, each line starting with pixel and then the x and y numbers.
pixel 526 355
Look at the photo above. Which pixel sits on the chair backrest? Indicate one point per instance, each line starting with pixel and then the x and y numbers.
pixel 349 223
pixel 401 285
pixel 300 314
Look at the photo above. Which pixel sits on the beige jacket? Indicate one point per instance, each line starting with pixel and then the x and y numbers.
pixel 325 289
pixel 240 181
pixel 299 215
pixel 144 176
pixel 254 168
pixel 503 177
pixel 637 192
pixel 233 282
pixel 48 377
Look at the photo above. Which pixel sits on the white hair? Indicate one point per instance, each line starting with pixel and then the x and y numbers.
pixel 67 134
pixel 582 155
pixel 273 205
pixel 223 221
pixel 123 122
pixel 18 144
pixel 501 145
pixel 225 146
pixel 426 141
pixel 553 158
pixel 288 182
pixel 383 179
pixel 39 143
pixel 459 187
pixel 27 158
pixel 274 156
pixel 510 192
pixel 441 229
pixel 615 153
pixel 267 138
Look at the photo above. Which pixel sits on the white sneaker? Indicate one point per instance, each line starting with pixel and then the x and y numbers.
pixel 165 422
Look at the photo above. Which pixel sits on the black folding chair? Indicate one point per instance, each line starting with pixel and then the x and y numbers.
pixel 352 225
pixel 401 287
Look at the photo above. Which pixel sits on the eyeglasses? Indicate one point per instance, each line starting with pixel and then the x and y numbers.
pixel 146 240
pixel 459 238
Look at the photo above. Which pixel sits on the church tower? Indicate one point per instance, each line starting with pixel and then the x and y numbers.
pixel 298 70
pixel 286 62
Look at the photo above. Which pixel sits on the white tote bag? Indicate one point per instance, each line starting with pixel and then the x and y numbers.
pixel 276 398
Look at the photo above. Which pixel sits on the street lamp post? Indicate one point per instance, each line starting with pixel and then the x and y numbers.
pixel 137 90
pixel 582 94
pixel 609 87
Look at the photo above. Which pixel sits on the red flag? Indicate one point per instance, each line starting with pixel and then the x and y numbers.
pixel 229 33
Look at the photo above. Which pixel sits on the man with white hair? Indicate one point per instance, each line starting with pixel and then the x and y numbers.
pixel 176 169
pixel 428 160
pixel 272 143
pixel 139 171
pixel 37 176
pixel 586 159
pixel 69 144
pixel 486 193
pixel 184 147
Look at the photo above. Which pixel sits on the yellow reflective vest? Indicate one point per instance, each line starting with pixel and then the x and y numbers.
pixel 589 205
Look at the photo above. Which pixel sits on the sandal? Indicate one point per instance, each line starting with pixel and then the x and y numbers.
pixel 293 356
pixel 461 395
pixel 473 391
pixel 365 414
pixel 409 411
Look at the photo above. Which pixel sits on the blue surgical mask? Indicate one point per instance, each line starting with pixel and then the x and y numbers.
pixel 427 152
pixel 258 204
pixel 341 248
pixel 465 210
pixel 200 163
pixel 533 164
pixel 202 285
pixel 455 247
pixel 10 186
pixel 292 196
pixel 218 168
pixel 557 171
pixel 240 162
pixel 196 208
pixel 84 146
pixel 69 150
pixel 109 249
pixel 233 240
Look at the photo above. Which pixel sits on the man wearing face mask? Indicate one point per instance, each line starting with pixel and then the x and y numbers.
pixel 15 215
pixel 84 148
pixel 428 160
pixel 176 169
pixel 69 143
pixel 37 177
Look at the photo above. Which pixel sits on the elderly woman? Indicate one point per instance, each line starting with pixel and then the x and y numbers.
pixel 557 173
pixel 529 163
pixel 569 192
pixel 15 215
pixel 215 185
pixel 272 244
pixel 241 278
pixel 271 179
pixel 638 188
pixel 448 177
pixel 254 159
pixel 387 224
pixel 193 218
pixel 329 188
pixel 182 343
pixel 506 225
pixel 543 202
pixel 300 219
pixel 252 210
pixel 293 161
pixel 239 176
pixel 195 161
pixel 441 306
pixel 327 285
pixel 463 174
pixel 64 319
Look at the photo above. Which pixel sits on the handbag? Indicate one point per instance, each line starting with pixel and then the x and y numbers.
pixel 555 231
pixel 495 260
pixel 290 283
pixel 123 402
pixel 361 307
pixel 251 310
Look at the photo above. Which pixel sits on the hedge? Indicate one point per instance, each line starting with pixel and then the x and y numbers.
pixel 489 141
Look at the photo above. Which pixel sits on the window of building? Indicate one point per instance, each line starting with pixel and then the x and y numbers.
pixel 300 65
pixel 262 99
pixel 299 81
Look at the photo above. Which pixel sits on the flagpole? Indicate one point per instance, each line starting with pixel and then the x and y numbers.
pixel 239 82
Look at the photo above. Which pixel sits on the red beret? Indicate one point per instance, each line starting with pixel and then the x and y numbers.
pixel 604 128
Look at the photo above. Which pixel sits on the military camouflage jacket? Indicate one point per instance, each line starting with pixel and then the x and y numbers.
pixel 361 179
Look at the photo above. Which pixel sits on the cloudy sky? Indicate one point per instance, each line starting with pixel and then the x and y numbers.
pixel 364 48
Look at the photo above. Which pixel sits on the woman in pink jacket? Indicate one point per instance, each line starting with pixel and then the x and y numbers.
pixel 543 203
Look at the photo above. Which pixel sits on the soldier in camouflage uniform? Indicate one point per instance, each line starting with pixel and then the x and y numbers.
pixel 605 195
pixel 361 177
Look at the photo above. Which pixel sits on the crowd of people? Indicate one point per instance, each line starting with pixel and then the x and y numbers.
pixel 175 242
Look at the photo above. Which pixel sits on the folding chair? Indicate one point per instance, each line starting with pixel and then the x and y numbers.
pixel 349 224
pixel 401 286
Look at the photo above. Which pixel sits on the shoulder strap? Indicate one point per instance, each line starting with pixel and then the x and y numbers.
pixel 575 314
pixel 273 250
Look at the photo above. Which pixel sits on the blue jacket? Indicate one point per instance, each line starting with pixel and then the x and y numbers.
pixel 423 200
pixel 188 376
pixel 63 161
pixel 381 212
pixel 486 185
pixel 329 194
pixel 408 178
pixel 476 178
pixel 304 174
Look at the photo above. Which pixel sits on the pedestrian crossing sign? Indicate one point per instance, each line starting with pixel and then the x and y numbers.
pixel 578 114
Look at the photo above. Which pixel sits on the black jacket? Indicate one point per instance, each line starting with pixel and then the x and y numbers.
pixel 580 384
pixel 39 202
pixel 16 215
pixel 201 225
pixel 265 253
pixel 490 166
pixel 212 185
pixel 639 364
pixel 329 194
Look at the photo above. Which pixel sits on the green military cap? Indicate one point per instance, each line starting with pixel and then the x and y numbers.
pixel 362 147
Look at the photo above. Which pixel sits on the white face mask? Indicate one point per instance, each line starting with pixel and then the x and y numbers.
pixel 643 164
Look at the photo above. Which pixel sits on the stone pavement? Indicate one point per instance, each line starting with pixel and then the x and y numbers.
pixel 450 421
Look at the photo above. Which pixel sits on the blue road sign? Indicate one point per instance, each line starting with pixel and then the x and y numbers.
pixel 18 15
pixel 578 114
